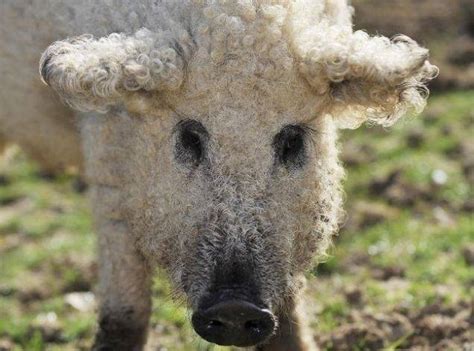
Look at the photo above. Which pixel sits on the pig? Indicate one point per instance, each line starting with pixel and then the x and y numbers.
pixel 208 134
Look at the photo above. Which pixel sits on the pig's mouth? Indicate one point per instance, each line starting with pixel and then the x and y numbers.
pixel 228 319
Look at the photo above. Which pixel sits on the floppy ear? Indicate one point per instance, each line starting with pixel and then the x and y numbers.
pixel 367 78
pixel 94 74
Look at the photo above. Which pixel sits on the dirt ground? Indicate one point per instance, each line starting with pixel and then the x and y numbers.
pixel 436 326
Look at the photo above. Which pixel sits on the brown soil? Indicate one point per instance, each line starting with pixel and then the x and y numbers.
pixel 435 327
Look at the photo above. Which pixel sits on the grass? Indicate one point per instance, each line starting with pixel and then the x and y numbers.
pixel 47 243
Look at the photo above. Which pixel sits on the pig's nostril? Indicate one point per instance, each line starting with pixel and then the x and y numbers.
pixel 254 326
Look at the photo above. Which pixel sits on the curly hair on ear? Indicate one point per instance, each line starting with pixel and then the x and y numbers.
pixel 92 74
pixel 368 78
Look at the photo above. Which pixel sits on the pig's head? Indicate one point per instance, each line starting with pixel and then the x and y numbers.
pixel 227 125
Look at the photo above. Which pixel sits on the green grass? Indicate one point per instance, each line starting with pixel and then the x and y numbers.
pixel 47 243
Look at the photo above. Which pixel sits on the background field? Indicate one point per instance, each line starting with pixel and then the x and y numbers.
pixel 401 273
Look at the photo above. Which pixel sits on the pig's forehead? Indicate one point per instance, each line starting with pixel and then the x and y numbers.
pixel 242 68
pixel 234 99
pixel 227 116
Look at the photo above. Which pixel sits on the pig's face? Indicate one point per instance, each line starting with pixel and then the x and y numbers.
pixel 225 146
pixel 238 189
pixel 229 173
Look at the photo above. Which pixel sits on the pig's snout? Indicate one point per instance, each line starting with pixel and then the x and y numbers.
pixel 234 322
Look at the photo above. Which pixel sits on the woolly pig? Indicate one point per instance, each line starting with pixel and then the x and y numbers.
pixel 207 131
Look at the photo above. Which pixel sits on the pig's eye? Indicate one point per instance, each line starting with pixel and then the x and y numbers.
pixel 190 142
pixel 289 145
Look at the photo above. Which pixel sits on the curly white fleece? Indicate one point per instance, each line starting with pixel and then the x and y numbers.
pixel 92 74
pixel 244 69
pixel 367 78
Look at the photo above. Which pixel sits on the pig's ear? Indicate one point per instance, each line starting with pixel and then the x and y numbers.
pixel 366 78
pixel 95 74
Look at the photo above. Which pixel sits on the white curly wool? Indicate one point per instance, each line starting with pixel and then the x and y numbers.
pixel 91 74
pixel 243 70
pixel 367 78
